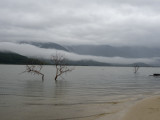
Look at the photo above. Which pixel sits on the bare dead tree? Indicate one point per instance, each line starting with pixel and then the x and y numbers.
pixel 35 70
pixel 60 64
pixel 136 67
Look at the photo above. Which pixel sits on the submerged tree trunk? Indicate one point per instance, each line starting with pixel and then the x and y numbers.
pixel 61 67
pixel 56 78
pixel 34 69
pixel 136 67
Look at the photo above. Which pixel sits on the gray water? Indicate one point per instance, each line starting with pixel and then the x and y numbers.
pixel 86 93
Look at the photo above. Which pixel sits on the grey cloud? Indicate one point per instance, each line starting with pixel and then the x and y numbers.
pixel 122 22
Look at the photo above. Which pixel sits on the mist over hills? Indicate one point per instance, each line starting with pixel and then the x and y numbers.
pixel 14 58
pixel 111 51
pixel 45 45
pixel 103 50
pixel 100 55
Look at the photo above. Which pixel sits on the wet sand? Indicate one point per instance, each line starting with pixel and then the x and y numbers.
pixel 147 109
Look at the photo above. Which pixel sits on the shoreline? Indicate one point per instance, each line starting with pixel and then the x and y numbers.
pixel 146 109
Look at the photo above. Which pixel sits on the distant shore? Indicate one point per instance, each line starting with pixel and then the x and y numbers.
pixel 147 109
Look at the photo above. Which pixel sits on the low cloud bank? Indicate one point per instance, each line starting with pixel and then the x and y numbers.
pixel 36 52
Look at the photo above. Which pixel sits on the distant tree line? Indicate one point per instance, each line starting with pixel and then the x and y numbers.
pixel 13 58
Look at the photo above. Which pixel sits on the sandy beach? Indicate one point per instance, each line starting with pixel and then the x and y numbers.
pixel 147 109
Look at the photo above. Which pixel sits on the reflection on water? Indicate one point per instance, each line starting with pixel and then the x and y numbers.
pixel 86 93
pixel 60 88
pixel 33 88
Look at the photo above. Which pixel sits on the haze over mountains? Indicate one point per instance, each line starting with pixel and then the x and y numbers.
pixel 47 45
pixel 87 54
pixel 111 51
pixel 102 50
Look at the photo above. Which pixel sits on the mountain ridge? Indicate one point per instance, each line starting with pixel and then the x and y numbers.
pixel 47 45
pixel 102 50
pixel 15 58
pixel 111 51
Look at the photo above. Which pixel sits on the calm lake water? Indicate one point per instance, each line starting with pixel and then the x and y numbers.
pixel 86 93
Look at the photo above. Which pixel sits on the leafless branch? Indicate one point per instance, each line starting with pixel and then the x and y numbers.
pixel 34 69
pixel 61 67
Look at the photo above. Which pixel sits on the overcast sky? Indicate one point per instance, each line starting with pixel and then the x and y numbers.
pixel 112 22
